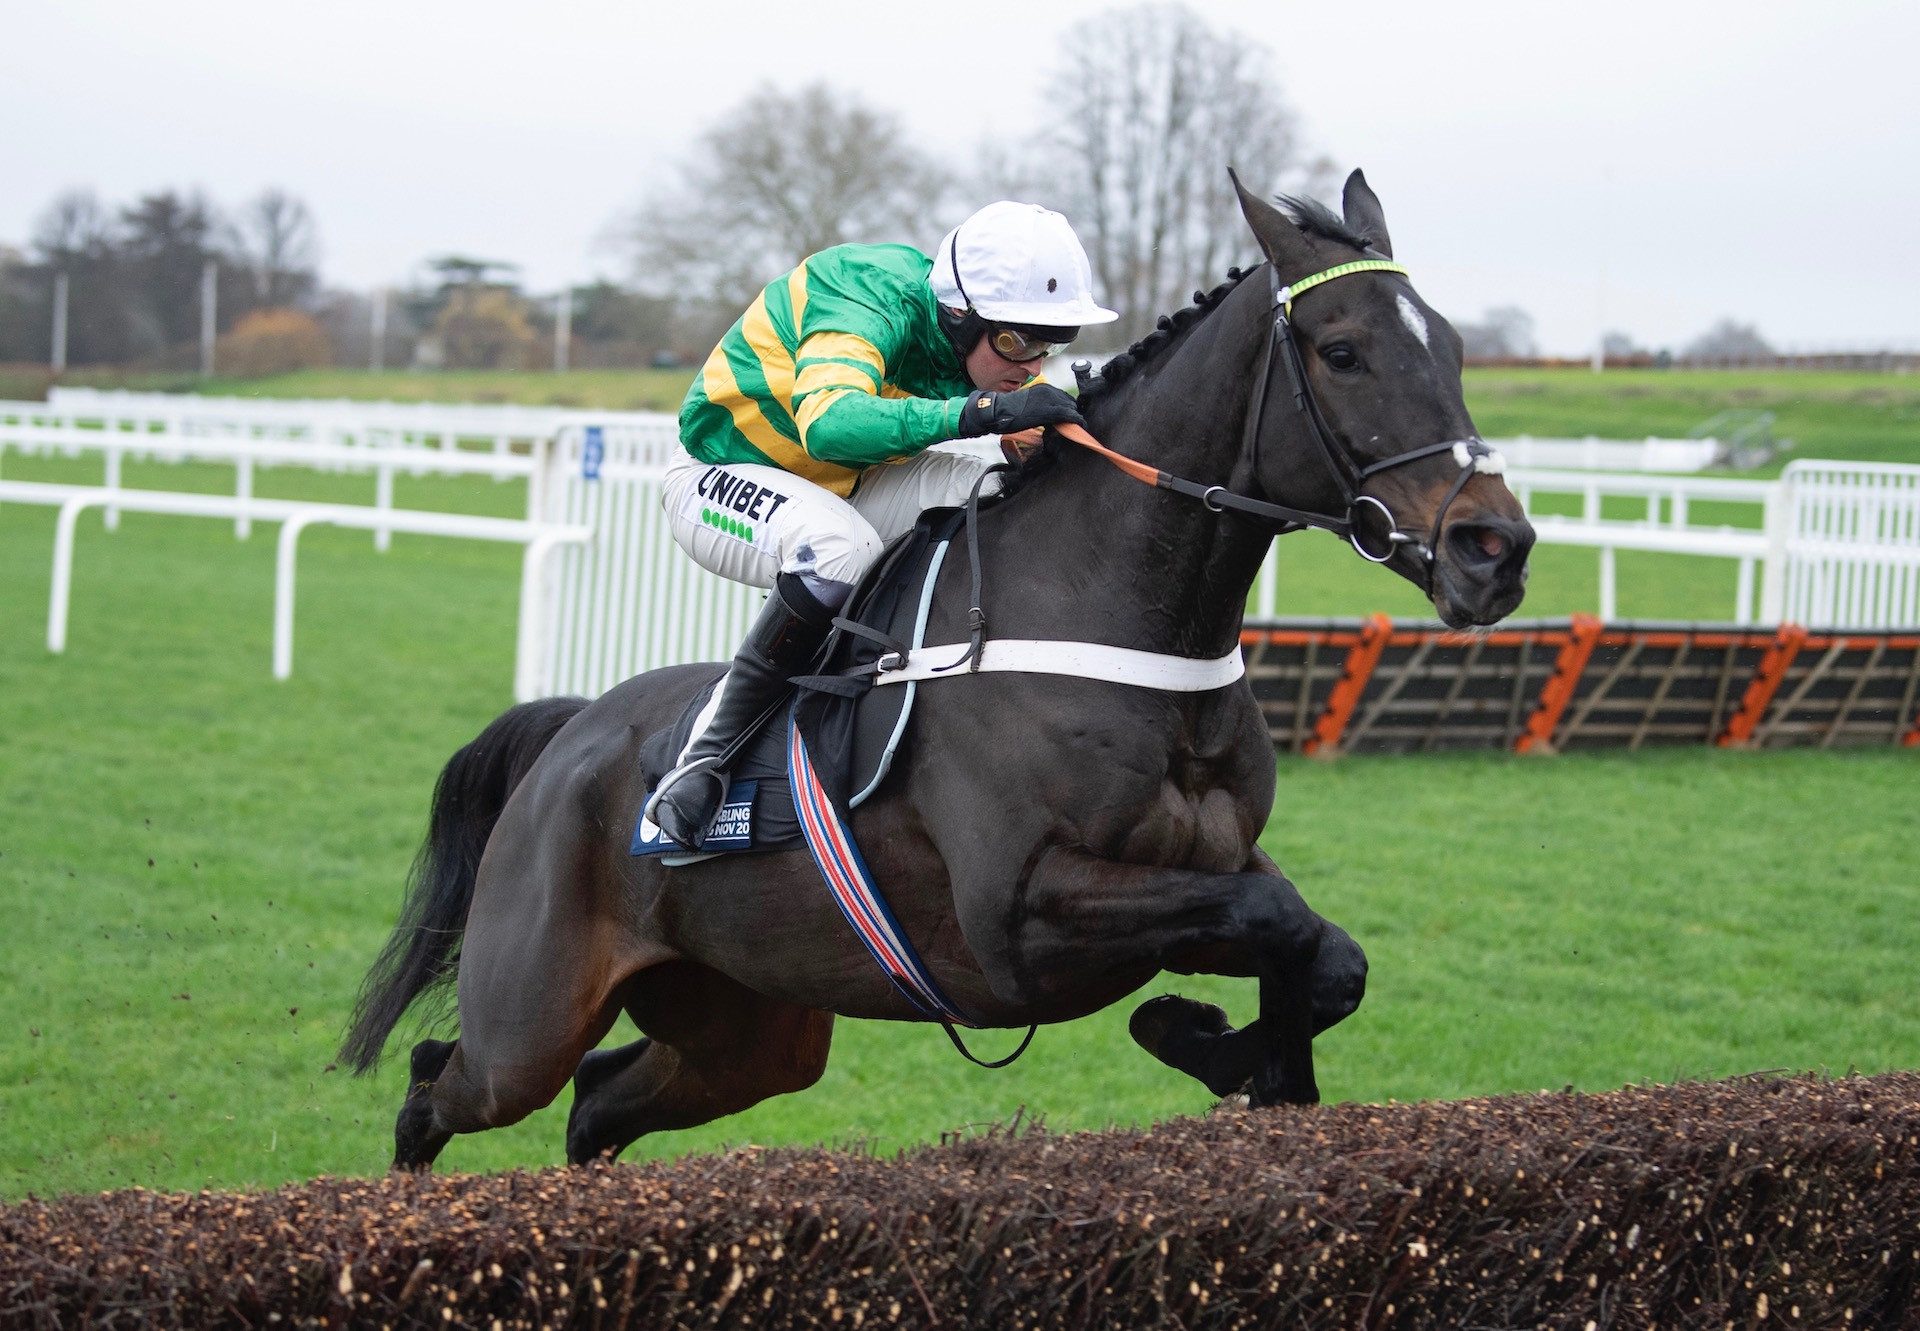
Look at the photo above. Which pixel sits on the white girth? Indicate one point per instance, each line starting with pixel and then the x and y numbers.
pixel 1086 660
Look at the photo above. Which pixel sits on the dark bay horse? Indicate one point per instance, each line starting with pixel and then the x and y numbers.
pixel 1051 844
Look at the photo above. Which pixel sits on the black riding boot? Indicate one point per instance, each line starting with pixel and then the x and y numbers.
pixel 781 643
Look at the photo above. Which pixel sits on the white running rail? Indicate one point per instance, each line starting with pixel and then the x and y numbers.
pixel 540 540
pixel 1848 537
pixel 1668 525
pixel 1829 544
pixel 500 427
pixel 628 600
pixel 247 455
pixel 1595 454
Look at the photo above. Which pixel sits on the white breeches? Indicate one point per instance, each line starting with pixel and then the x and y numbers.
pixel 750 523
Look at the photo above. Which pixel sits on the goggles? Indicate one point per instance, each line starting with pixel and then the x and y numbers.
pixel 1024 344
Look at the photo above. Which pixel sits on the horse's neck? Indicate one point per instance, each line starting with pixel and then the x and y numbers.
pixel 1111 559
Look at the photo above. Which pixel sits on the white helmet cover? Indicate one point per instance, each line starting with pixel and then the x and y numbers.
pixel 1020 264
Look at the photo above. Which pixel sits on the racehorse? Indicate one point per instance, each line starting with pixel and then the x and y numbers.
pixel 1050 843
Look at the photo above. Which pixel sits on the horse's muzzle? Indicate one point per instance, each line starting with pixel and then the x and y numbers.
pixel 1480 569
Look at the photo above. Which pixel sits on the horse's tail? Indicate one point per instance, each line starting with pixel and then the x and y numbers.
pixel 467 800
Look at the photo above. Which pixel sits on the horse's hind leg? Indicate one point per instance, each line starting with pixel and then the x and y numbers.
pixel 541 977
pixel 416 1141
pixel 477 1082
pixel 714 1048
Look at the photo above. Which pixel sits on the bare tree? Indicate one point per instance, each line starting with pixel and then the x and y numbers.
pixel 1619 346
pixel 75 235
pixel 135 273
pixel 1728 342
pixel 73 226
pixel 283 247
pixel 1154 106
pixel 24 316
pixel 1503 333
pixel 779 177
pixel 166 239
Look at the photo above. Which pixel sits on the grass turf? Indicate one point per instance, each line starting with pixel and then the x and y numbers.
pixel 198 863
pixel 1826 414
pixel 619 390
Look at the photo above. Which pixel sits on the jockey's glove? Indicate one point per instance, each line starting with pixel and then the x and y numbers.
pixel 1021 409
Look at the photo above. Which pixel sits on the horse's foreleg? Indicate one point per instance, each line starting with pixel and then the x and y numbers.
pixel 1076 904
pixel 1198 1039
pixel 714 1048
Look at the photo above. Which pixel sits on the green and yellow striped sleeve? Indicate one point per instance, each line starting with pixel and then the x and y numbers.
pixel 842 416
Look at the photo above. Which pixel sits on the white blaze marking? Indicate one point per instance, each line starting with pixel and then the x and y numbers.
pixel 1412 318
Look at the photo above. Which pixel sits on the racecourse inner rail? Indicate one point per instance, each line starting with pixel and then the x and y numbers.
pixel 1833 545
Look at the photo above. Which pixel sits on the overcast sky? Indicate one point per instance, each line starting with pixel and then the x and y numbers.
pixel 1649 167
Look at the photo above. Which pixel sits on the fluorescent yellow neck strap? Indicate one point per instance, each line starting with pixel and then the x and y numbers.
pixel 1287 293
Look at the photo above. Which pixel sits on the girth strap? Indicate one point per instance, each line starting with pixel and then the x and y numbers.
pixel 860 900
pixel 1083 660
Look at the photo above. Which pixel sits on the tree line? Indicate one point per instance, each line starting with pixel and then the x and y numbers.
pixel 1144 109
pixel 133 275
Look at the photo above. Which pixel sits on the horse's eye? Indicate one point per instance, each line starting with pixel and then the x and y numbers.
pixel 1340 356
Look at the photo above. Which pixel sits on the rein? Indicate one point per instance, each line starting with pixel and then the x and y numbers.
pixel 1368 525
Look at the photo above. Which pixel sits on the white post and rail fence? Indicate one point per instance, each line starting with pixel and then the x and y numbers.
pixel 606 595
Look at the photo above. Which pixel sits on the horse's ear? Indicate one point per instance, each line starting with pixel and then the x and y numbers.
pixel 1363 213
pixel 1280 240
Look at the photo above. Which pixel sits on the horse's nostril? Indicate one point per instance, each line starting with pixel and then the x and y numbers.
pixel 1479 545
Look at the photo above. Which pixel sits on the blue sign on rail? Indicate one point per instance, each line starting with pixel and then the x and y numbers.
pixel 592 453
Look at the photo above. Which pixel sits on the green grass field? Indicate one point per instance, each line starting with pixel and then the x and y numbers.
pixel 197 864
pixel 615 390
pixel 1867 417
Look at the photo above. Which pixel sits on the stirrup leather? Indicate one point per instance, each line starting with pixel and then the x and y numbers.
pixel 783 640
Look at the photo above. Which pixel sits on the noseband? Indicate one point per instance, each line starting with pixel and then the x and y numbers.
pixel 1368 525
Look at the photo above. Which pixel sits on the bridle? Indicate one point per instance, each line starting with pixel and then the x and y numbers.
pixel 1368 525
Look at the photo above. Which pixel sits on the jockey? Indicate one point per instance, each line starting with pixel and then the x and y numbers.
pixel 863 355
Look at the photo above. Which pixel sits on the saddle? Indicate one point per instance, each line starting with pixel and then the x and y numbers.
pixel 851 729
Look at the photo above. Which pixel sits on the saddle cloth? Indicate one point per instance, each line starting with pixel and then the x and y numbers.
pixel 851 729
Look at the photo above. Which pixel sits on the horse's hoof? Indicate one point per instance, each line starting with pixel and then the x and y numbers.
pixel 1300 1093
pixel 1235 1103
pixel 582 1148
pixel 428 1061
pixel 599 1066
pixel 1170 1015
